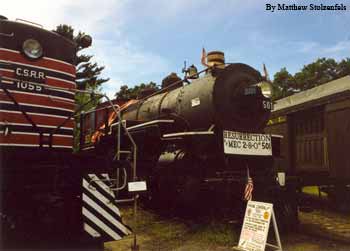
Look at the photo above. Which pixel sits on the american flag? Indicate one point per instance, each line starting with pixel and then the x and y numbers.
pixel 248 191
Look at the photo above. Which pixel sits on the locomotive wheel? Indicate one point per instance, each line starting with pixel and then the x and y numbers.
pixel 285 206
pixel 170 191
pixel 340 197
pixel 286 210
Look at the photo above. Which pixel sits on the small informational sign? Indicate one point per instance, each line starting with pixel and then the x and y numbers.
pixel 137 186
pixel 247 143
pixel 195 102
pixel 255 226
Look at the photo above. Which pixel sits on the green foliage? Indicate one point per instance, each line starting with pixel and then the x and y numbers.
pixel 87 77
pixel 317 73
pixel 283 84
pixel 131 93
pixel 66 31
pixel 88 73
pixel 344 67
pixel 85 102
pixel 321 71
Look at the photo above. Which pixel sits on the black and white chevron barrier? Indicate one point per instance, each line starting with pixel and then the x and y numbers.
pixel 100 212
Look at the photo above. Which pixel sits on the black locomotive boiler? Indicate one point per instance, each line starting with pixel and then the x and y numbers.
pixel 202 136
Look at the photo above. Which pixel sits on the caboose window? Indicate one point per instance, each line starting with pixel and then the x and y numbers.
pixel 310 139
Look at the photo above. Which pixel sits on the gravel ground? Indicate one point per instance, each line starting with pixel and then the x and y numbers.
pixel 306 242
pixel 158 233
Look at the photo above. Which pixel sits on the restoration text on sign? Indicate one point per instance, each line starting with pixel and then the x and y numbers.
pixel 247 143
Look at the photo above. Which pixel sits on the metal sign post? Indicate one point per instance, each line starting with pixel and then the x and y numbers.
pixel 136 187
pixel 135 247
pixel 277 247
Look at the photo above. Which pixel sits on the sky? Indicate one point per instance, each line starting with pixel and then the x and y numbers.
pixel 141 41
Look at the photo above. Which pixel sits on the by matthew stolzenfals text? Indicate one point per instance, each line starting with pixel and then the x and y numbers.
pixel 310 7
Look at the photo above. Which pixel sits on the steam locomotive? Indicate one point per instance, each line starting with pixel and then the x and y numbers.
pixel 199 137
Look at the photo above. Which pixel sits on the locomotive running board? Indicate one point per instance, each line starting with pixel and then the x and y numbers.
pixel 101 215
pixel 153 122
pixel 181 135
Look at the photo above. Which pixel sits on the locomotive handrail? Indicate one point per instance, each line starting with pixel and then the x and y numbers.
pixel 7 35
pixel 116 109
pixel 169 135
pixel 171 85
pixel 95 180
pixel 26 21
pixel 117 181
pixel 120 125
pixel 179 81
pixel 134 199
pixel 69 117
pixel 99 109
pixel 151 123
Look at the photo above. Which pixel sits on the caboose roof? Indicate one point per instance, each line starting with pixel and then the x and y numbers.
pixel 314 96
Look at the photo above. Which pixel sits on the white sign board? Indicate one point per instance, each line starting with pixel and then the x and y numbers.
pixel 195 102
pixel 137 186
pixel 255 226
pixel 247 143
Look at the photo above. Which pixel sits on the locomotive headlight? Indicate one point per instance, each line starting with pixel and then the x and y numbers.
pixel 32 49
pixel 266 89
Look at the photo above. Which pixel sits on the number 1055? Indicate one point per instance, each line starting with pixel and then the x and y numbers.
pixel 28 86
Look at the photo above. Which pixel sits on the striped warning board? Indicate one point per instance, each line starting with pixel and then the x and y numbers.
pixel 100 212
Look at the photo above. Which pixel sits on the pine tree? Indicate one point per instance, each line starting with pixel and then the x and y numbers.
pixel 87 77
pixel 88 73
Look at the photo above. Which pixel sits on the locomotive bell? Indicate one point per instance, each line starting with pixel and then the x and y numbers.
pixel 192 72
pixel 216 58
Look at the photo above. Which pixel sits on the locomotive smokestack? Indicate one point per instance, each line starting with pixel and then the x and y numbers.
pixel 216 58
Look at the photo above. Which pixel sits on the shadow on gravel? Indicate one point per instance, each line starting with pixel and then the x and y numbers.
pixel 167 232
pixel 170 230
pixel 217 229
